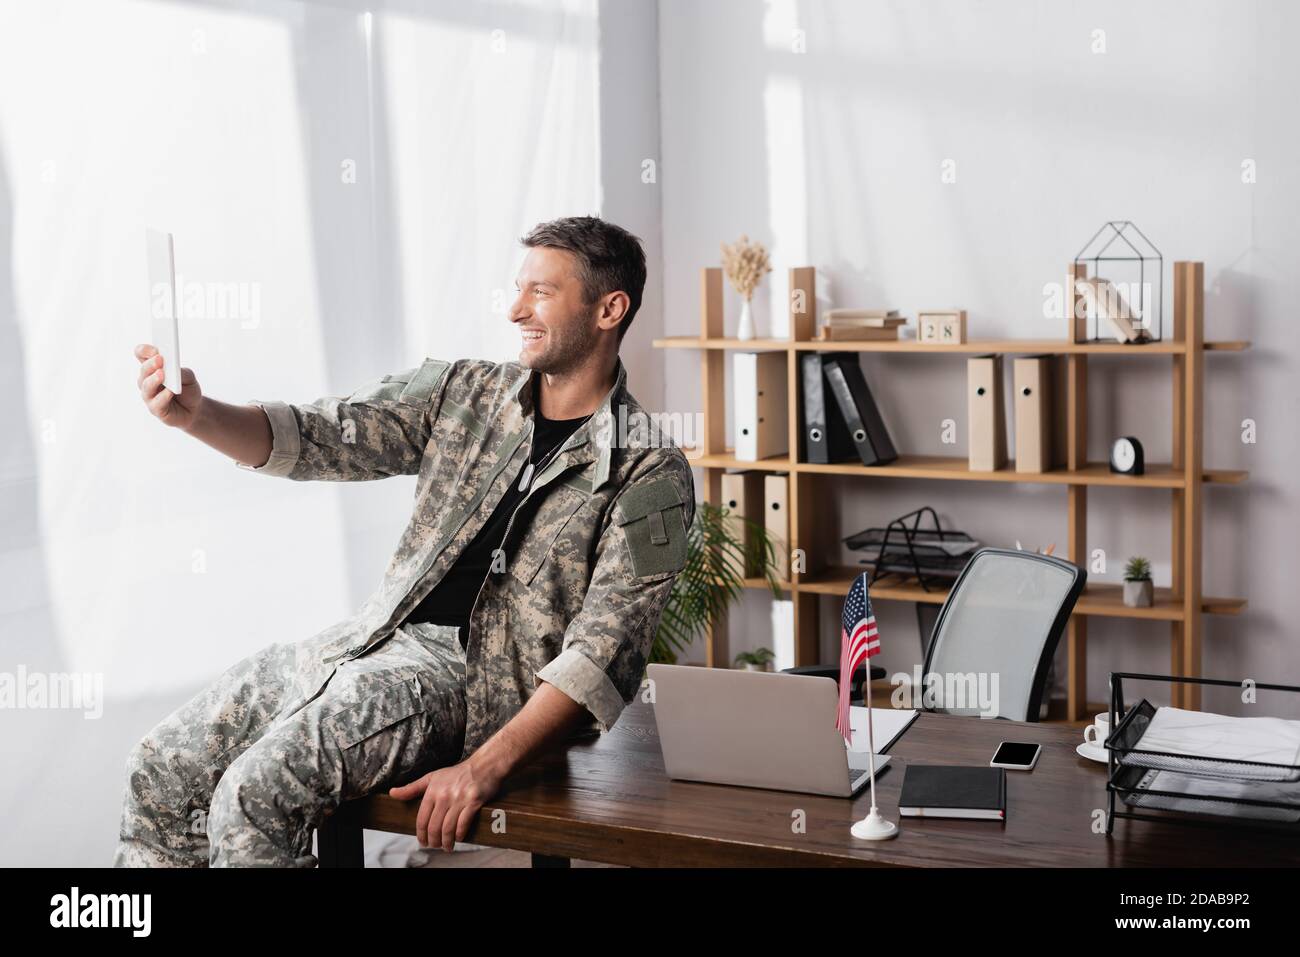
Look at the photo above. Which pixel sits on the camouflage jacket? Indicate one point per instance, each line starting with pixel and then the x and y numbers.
pixel 593 549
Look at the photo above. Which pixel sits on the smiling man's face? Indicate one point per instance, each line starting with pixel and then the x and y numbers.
pixel 558 329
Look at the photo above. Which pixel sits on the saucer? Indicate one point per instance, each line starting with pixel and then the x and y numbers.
pixel 1091 752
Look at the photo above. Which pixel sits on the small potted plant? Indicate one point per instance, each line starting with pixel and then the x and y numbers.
pixel 1138 591
pixel 745 264
pixel 711 580
pixel 755 660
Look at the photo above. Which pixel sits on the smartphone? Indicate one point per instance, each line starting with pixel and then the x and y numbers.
pixel 1016 756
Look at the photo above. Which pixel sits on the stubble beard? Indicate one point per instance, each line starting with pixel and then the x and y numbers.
pixel 566 351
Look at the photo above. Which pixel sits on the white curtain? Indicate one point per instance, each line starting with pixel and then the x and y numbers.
pixel 346 184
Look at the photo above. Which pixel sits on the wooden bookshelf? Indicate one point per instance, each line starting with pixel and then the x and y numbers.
pixel 1181 605
pixel 1098 599
pixel 955 467
pixel 979 347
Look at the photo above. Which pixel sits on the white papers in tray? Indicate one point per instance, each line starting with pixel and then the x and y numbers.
pixel 1220 738
pixel 1197 796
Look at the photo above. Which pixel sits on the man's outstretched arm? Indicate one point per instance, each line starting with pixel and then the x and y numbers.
pixel 379 430
pixel 452 796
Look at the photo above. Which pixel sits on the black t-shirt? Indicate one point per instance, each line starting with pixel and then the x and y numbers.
pixel 452 599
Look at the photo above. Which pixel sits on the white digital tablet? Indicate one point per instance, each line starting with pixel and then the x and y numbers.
pixel 165 327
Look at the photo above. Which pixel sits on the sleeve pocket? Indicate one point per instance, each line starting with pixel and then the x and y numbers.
pixel 654 526
pixel 389 388
pixel 410 386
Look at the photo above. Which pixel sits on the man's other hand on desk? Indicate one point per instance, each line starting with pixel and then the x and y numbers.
pixel 452 796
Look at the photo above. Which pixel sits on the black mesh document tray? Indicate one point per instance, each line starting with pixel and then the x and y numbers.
pixel 933 555
pixel 1187 786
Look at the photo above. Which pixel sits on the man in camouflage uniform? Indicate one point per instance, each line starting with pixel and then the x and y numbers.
pixel 562 624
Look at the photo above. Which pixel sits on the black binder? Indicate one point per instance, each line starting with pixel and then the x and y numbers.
pixel 826 437
pixel 866 427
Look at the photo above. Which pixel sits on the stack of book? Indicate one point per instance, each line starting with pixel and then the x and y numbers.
pixel 862 324
pixel 1107 303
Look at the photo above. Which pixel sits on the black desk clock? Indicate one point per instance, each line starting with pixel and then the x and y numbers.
pixel 1126 456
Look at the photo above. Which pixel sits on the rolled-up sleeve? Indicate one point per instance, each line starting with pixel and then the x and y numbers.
pixel 285 445
pixel 586 683
pixel 643 547
pixel 378 431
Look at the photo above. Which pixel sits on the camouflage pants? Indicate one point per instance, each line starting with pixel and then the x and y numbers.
pixel 243 773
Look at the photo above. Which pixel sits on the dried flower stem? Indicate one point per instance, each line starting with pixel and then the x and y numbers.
pixel 744 264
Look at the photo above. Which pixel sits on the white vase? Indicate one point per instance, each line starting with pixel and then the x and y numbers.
pixel 746 328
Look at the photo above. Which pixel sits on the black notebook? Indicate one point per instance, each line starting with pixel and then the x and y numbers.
pixel 935 791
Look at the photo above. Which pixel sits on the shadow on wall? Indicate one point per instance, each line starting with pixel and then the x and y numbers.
pixel 1238 294
pixel 354 232
pixel 28 632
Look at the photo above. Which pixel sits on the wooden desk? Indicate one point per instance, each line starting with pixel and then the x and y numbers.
pixel 609 800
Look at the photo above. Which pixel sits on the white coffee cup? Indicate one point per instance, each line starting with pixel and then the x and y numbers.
pixel 1095 734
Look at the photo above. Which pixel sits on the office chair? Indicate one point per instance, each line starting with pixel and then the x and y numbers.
pixel 1004 616
pixel 833 671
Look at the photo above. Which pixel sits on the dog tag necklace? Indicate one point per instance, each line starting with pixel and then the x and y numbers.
pixel 526 480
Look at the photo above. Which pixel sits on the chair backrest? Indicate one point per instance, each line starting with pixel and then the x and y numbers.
pixel 997 633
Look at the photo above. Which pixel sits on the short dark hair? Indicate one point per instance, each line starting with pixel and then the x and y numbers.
pixel 610 259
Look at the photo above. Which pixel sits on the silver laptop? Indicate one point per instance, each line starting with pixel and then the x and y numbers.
pixel 755 729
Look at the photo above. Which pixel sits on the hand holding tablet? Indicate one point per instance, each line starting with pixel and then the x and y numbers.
pixel 175 410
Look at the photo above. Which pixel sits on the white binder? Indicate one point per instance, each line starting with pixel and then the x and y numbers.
pixel 760 406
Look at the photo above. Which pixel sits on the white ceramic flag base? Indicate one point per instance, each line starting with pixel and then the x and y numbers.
pixel 873 827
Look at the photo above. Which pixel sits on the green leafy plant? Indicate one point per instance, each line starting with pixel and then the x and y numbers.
pixel 711 581
pixel 758 658
pixel 1137 569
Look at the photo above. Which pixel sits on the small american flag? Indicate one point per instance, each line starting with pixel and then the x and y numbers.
pixel 859 640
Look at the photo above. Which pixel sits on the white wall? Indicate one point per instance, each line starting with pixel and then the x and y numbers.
pixel 833 158
pixel 629 170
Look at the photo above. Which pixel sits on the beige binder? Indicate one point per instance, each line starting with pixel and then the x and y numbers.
pixel 988 426
pixel 776 514
pixel 762 415
pixel 1032 378
pixel 742 497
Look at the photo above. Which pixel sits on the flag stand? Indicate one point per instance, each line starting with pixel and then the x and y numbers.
pixel 873 827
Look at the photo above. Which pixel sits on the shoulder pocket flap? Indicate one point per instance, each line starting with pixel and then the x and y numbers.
pixel 641 501
pixel 424 381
